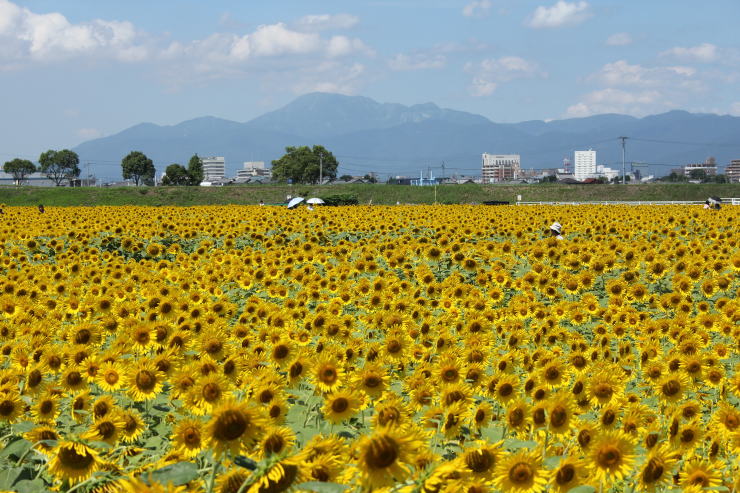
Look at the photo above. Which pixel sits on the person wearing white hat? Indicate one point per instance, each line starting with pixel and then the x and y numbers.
pixel 556 229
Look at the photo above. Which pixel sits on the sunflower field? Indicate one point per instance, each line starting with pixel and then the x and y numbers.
pixel 241 349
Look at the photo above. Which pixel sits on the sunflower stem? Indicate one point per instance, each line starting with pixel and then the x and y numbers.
pixel 33 447
pixel 88 480
pixel 212 480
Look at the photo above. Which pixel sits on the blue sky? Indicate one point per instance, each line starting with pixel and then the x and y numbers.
pixel 79 69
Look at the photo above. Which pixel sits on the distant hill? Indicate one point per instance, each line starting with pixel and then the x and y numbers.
pixel 402 140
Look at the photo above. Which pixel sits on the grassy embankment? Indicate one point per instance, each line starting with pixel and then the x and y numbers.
pixel 379 194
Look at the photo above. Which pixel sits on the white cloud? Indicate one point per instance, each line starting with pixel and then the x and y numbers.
pixel 619 39
pixel 482 87
pixel 617 101
pixel 324 22
pixel 25 35
pixel 417 61
pixel 222 51
pixel 735 108
pixel 621 73
pixel 477 7
pixel 705 52
pixel 489 73
pixel 561 14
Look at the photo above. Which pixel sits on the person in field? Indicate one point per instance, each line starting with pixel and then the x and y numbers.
pixel 556 230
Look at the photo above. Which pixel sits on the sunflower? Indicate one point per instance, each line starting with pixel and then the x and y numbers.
pixel 80 405
pixel 106 429
pixel 207 392
pixel 521 472
pixel 569 473
pixel 278 476
pixel 188 437
pixel 11 407
pixel 506 386
pixel 133 425
pixel 327 375
pixel 234 427
pixel 144 381
pixel 610 457
pixel 341 405
pixel 701 473
pixel 72 379
pixel 481 416
pixel 657 471
pixel 384 457
pixel 672 387
pixel 372 379
pixel 688 437
pixel 73 461
pixel 324 468
pixel 277 440
pixel 232 481
pixel 517 416
pixel 103 406
pixel 46 408
pixel 45 435
pixel 560 410
pixel 603 387
pixel 480 460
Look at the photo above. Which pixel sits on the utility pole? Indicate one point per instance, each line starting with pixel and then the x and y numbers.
pixel 624 174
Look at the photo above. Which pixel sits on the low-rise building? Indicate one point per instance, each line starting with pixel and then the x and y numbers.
pixel 252 169
pixel 501 167
pixel 709 167
pixel 732 171
pixel 214 168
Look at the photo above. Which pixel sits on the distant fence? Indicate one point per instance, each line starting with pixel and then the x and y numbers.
pixel 725 201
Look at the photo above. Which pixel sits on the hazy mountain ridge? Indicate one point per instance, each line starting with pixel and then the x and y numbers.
pixel 394 139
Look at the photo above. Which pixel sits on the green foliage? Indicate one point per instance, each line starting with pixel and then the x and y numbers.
pixel 176 175
pixel 345 177
pixel 305 165
pixel 19 168
pixel 340 199
pixel 195 170
pixel 138 167
pixel 60 165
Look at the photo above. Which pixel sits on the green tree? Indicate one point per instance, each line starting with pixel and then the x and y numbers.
pixel 138 167
pixel 59 165
pixel 19 168
pixel 698 174
pixel 177 175
pixel 305 164
pixel 195 170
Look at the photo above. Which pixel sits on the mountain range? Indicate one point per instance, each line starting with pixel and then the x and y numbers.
pixel 393 139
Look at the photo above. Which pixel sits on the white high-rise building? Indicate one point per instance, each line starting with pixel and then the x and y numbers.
pixel 500 167
pixel 584 165
pixel 253 168
pixel 214 168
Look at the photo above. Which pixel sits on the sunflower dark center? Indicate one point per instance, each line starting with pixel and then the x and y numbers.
pixel 609 457
pixel 372 381
pixel 146 380
pixel 671 388
pixel 274 444
pixel 516 417
pixel 339 405
pixel 211 392
pixel 653 471
pixel 70 459
pixel 479 460
pixel 382 452
pixel 603 390
pixel 565 474
pixel 558 416
pixel 521 473
pixel 230 425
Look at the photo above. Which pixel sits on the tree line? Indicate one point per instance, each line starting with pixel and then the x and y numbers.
pixel 299 165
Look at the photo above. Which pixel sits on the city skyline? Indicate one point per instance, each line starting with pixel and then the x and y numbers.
pixel 82 70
